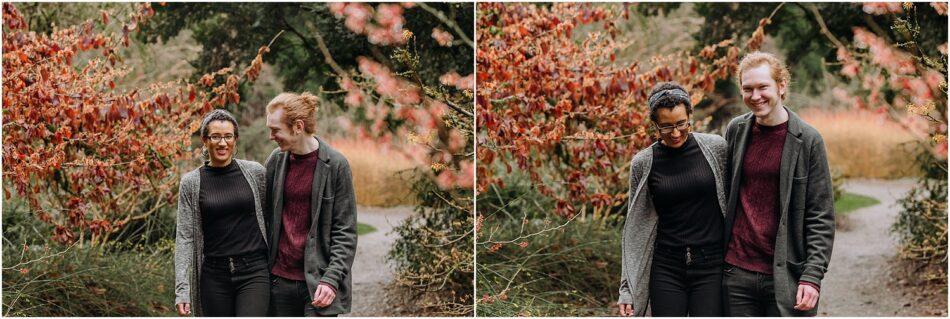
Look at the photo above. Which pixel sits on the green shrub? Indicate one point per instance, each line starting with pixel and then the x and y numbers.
pixel 433 252
pixel 572 269
pixel 922 222
pixel 532 263
pixel 43 278
pixel 54 280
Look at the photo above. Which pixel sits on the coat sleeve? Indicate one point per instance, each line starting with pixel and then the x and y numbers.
pixel 819 219
pixel 626 295
pixel 343 229
pixel 184 244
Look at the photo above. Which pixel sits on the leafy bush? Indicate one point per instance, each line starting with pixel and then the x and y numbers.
pixel 533 263
pixel 922 222
pixel 41 278
pixel 433 254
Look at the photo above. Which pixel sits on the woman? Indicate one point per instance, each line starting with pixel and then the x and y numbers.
pixel 672 238
pixel 220 246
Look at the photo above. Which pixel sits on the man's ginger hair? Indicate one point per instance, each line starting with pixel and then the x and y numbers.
pixel 297 107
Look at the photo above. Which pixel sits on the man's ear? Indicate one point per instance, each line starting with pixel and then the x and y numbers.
pixel 783 89
pixel 298 127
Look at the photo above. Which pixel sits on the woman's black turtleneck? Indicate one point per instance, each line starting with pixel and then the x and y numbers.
pixel 228 219
pixel 684 195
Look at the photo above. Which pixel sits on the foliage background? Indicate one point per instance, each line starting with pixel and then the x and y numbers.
pixel 424 142
pixel 536 258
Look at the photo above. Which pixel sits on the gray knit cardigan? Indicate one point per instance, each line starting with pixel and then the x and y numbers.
pixel 189 241
pixel 639 229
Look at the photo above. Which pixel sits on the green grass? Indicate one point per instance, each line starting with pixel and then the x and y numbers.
pixel 363 229
pixel 850 202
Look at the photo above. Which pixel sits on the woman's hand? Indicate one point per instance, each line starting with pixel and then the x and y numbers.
pixel 626 310
pixel 184 309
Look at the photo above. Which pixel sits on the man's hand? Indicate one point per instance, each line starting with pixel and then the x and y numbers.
pixel 323 296
pixel 807 298
pixel 626 310
pixel 184 309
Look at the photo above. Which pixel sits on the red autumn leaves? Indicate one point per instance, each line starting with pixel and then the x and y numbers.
pixel 87 156
pixel 562 109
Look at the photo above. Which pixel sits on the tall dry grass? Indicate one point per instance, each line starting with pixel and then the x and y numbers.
pixel 376 172
pixel 863 143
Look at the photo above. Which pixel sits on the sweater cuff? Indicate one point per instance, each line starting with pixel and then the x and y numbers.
pixel 810 284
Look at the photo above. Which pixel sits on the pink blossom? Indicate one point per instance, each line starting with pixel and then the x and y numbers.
pixel 357 16
pixel 379 126
pixel 424 119
pixel 449 78
pixel 880 8
pixel 437 109
pixel 850 70
pixel 466 83
pixel 408 5
pixel 442 37
pixel 353 98
pixel 456 141
pixel 389 14
pixel 934 79
pixel 387 84
pixel 456 80
pixel 941 150
pixel 466 178
pixel 891 59
pixel 446 179
pixel 337 8
pixel 941 8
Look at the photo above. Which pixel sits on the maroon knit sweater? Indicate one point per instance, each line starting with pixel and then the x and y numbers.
pixel 295 219
pixel 757 216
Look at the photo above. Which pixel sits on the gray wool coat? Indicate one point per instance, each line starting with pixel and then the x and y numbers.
pixel 331 244
pixel 189 240
pixel 806 228
pixel 639 229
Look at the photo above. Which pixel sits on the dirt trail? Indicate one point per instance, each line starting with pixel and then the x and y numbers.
pixel 371 272
pixel 860 280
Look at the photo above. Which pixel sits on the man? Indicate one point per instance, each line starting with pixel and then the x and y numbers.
pixel 312 214
pixel 780 221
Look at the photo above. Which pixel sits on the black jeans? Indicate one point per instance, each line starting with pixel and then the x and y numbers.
pixel 681 287
pixel 235 286
pixel 291 298
pixel 749 293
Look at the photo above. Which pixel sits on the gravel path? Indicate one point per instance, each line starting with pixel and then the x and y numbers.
pixel 860 281
pixel 371 272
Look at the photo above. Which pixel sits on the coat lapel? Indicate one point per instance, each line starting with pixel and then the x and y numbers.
pixel 278 204
pixel 320 176
pixel 741 144
pixel 735 169
pixel 790 154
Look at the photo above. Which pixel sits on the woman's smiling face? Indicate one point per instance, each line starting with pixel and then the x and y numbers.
pixel 220 142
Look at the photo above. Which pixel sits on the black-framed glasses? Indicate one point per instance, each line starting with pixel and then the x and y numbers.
pixel 217 138
pixel 681 126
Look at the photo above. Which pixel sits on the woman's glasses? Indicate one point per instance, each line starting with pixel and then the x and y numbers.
pixel 218 138
pixel 681 126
